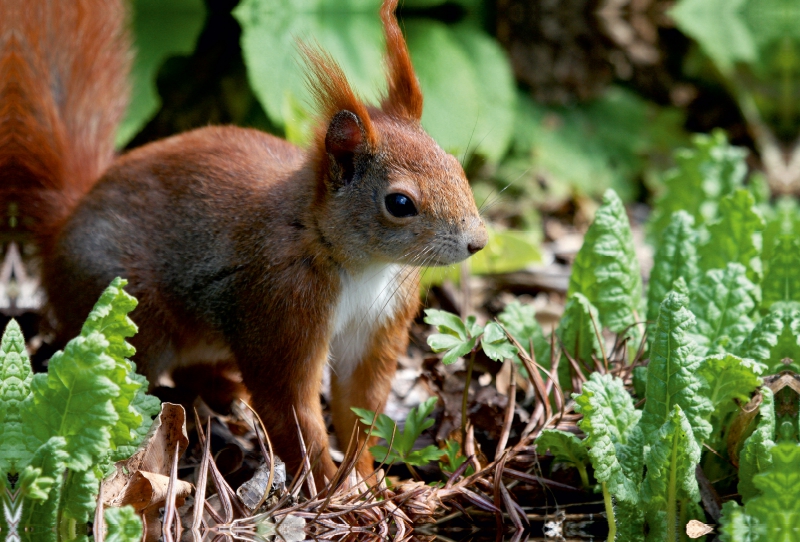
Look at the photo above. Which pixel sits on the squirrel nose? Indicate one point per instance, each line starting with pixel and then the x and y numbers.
pixel 477 242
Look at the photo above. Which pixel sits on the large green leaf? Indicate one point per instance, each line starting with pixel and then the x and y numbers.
pixel 606 270
pixel 719 27
pixel 736 236
pixel 671 462
pixel 464 75
pixel 672 377
pixel 675 257
pixel 723 304
pixel 161 29
pixel 47 464
pixel 609 422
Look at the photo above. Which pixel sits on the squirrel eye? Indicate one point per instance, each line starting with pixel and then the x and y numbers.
pixel 400 205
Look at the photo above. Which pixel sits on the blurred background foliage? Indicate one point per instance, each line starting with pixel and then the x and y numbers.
pixel 547 102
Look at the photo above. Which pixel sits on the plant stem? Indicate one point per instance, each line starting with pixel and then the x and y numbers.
pixel 464 399
pixel 612 523
pixel 584 475
pixel 413 472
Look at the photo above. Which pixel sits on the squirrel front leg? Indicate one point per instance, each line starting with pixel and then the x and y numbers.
pixel 366 382
pixel 278 391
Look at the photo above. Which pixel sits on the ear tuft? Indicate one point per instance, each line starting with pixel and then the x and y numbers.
pixel 404 98
pixel 342 140
pixel 332 91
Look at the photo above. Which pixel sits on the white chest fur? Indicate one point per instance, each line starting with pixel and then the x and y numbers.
pixel 366 301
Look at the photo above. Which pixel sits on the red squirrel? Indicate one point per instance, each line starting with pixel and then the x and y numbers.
pixel 240 246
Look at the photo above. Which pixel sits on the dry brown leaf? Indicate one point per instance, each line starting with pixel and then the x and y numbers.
pixel 142 479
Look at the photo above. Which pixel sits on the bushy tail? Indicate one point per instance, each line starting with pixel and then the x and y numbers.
pixel 63 91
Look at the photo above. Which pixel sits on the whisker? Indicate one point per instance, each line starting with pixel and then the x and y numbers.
pixel 487 204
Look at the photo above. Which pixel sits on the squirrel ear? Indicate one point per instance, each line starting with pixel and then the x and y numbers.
pixel 344 137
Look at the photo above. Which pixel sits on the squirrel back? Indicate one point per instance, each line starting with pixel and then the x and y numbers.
pixel 63 91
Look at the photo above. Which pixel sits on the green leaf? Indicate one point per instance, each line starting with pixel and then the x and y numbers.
pixel 124 525
pixel 161 30
pixel 606 270
pixel 566 448
pixel 723 303
pixel 609 420
pixel 456 338
pixel 756 457
pixel 672 377
pixel 578 330
pixel 495 344
pixel 446 322
pixel 736 236
pixel 728 379
pixel 47 463
pixel 15 380
pixel 706 172
pixel 782 281
pixel 452 452
pixel 676 257
pixel 79 498
pixel 777 509
pixel 403 442
pixel 720 29
pixel 87 393
pixel 494 126
pixel 630 522
pixel 671 461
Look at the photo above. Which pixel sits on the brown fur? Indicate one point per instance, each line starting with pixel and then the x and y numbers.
pixel 245 249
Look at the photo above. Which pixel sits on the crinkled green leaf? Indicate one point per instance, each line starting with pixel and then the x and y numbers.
pixel 630 522
pixel 88 392
pixel 756 456
pixel 672 377
pixel 723 304
pixel 15 380
pixel 777 508
pixel 609 419
pixel 606 270
pixel 704 173
pixel 736 236
pixel 133 406
pixel 79 499
pixel 782 280
pixel 124 525
pixel 729 378
pixel 578 330
pixel 671 461
pixel 675 257
pixel 495 344
pixel 47 463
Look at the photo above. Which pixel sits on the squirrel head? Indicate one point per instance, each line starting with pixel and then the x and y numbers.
pixel 385 190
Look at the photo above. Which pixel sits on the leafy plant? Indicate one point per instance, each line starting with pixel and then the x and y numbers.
pixel 63 430
pixel 402 440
